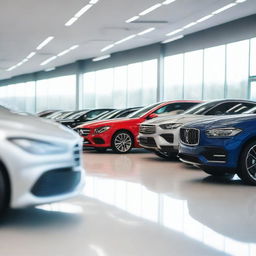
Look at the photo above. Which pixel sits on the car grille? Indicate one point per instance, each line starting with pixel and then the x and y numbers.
pixel 76 155
pixel 147 129
pixel 189 136
pixel 147 142
pixel 83 131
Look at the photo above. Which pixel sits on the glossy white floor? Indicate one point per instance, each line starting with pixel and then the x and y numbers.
pixel 136 205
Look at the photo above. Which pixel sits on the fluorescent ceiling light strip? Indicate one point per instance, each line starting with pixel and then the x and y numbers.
pixel 74 47
pixel 125 39
pixel 93 1
pixel 107 47
pixel 189 25
pixel 71 22
pixel 172 39
pixel 82 11
pixel 30 55
pixel 45 42
pixel 11 68
pixel 152 8
pixel 224 8
pixel 166 2
pixel 205 18
pixel 174 32
pixel 146 31
pixel 240 1
pixel 132 19
pixel 48 60
pixel 101 58
pixel 63 52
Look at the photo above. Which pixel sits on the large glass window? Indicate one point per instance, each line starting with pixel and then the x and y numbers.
pixel 56 93
pixel 104 88
pixel 173 77
pixel 193 75
pixel 120 87
pixel 149 82
pixel 214 72
pixel 89 90
pixel 237 69
pixel 253 57
pixel 134 89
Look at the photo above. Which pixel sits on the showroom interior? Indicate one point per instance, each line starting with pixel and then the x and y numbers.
pixel 109 185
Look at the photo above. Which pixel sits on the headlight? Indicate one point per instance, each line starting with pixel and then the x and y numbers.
pixel 37 147
pixel 222 132
pixel 171 126
pixel 101 129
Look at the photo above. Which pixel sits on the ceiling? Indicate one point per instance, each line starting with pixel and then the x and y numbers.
pixel 26 23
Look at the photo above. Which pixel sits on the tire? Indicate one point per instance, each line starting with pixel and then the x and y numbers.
pixel 122 142
pixel 218 173
pixel 247 164
pixel 4 192
pixel 101 150
pixel 165 155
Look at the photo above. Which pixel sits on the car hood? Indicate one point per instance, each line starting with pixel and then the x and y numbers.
pixel 174 119
pixel 18 124
pixel 223 121
pixel 94 124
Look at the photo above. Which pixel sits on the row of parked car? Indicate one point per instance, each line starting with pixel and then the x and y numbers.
pixel 217 136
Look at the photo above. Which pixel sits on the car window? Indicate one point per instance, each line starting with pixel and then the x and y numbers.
pixel 93 114
pixel 229 108
pixel 143 111
pixel 125 114
pixel 175 108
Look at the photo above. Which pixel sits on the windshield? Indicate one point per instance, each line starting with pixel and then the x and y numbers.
pixel 110 115
pixel 250 111
pixel 76 115
pixel 200 109
pixel 143 111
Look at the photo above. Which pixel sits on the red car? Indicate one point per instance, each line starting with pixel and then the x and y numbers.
pixel 121 134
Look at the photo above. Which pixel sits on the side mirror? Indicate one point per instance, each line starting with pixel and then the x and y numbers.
pixel 153 115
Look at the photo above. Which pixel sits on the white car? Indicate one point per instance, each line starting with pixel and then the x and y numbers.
pixel 40 161
pixel 161 135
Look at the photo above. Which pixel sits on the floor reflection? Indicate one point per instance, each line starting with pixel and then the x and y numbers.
pixel 204 209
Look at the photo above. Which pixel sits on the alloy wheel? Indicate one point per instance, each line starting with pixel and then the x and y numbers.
pixel 123 142
pixel 251 162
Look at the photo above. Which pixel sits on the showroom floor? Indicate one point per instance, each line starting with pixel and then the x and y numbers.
pixel 136 205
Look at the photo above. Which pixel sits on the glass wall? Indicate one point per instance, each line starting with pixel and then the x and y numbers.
pixel 212 73
pixel 120 87
pixel 223 71
pixel 173 77
pixel 56 93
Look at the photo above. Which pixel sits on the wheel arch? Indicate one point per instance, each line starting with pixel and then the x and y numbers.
pixel 247 142
pixel 6 176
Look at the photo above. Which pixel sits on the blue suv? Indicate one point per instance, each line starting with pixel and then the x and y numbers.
pixel 222 146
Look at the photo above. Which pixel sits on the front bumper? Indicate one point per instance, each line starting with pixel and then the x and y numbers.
pixel 40 179
pixel 162 140
pixel 212 153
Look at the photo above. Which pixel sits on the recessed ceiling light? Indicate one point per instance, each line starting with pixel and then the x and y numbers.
pixel 107 47
pixel 166 2
pixel 132 19
pixel 30 55
pixel 45 42
pixel 172 39
pixel 150 9
pixel 101 58
pixel 125 39
pixel 190 25
pixel 224 8
pixel 146 31
pixel 82 11
pixel 205 18
pixel 174 32
pixel 71 22
pixel 48 60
